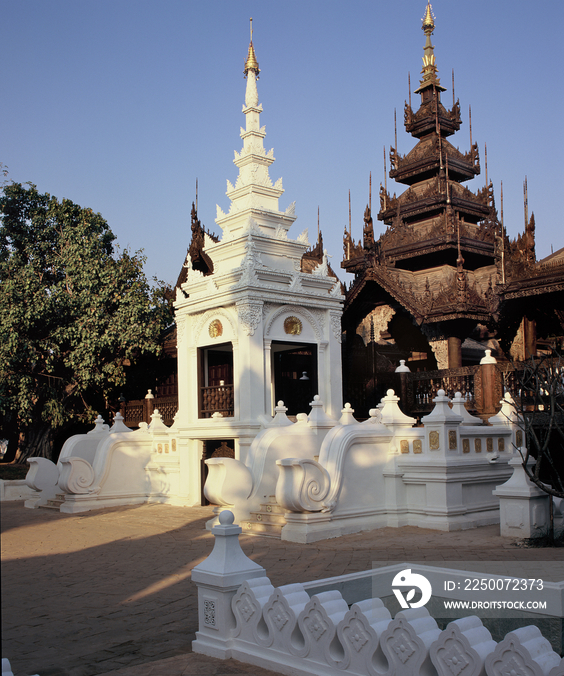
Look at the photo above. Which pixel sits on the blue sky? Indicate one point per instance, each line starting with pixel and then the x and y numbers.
pixel 120 105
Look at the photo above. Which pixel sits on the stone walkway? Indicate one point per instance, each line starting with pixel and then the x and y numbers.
pixel 109 592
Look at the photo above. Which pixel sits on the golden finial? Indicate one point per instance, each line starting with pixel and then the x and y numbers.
pixel 429 71
pixel 428 20
pixel 251 63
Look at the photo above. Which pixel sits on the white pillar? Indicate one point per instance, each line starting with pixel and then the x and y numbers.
pixel 218 578
pixel 524 508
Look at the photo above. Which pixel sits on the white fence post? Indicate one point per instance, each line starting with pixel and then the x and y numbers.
pixel 218 578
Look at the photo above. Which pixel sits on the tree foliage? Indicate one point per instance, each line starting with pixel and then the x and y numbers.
pixel 75 312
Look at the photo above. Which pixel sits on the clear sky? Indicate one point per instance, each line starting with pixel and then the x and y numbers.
pixel 119 105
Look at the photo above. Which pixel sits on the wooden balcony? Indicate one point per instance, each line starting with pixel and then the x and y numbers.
pixel 216 399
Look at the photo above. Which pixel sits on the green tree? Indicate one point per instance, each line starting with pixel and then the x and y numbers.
pixel 76 312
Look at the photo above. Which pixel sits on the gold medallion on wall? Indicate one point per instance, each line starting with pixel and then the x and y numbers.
pixel 292 326
pixel 216 328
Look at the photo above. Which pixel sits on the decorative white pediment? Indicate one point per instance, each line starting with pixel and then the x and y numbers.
pixel 200 321
pixel 298 311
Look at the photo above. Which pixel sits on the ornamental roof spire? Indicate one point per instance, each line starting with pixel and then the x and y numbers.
pixel 430 70
pixel 254 197
pixel 251 63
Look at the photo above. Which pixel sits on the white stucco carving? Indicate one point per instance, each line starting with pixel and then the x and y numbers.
pixel 250 315
pixel 297 310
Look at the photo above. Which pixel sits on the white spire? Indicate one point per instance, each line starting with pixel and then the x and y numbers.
pixel 254 195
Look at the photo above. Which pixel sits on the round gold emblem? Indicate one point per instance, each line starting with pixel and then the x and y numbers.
pixel 216 328
pixel 292 326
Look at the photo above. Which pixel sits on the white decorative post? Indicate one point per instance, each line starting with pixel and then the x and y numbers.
pixel 441 427
pixel 458 407
pixel 392 416
pixel 524 508
pixel 218 578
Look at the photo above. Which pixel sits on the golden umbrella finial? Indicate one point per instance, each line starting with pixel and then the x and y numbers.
pixel 251 63
pixel 428 20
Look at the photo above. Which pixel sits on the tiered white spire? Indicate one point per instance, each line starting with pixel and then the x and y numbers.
pixel 254 196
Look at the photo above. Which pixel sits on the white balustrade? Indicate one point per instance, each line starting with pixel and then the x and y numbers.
pixel 286 631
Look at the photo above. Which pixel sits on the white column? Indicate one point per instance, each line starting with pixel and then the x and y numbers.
pixel 268 395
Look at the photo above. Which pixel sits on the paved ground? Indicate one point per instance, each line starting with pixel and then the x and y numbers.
pixel 110 591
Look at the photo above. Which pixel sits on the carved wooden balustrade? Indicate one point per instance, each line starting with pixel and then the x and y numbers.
pixel 421 388
pixel 140 410
pixel 216 399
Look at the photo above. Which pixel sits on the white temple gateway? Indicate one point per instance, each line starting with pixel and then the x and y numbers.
pixel 259 370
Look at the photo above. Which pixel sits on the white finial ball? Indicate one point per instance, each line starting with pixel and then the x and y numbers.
pixel 226 518
pixel 390 393
pixel 441 393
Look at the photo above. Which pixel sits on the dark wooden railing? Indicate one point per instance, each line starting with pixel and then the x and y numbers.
pixel 481 385
pixel 216 399
pixel 421 388
pixel 141 410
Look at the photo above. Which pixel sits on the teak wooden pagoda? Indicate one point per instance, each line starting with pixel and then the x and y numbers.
pixel 444 277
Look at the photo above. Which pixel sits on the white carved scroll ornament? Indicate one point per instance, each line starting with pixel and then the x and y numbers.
pixel 77 476
pixel 302 486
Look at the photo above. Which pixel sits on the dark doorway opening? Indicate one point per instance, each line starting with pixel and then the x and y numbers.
pixel 295 375
pixel 214 448
pixel 216 380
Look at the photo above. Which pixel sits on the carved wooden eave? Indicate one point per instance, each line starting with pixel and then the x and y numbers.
pixel 427 159
pixel 196 256
pixel 313 258
pixel 408 206
pixel 430 245
pixel 433 196
pixel 425 119
pixel 441 305
pixel 169 341
pixel 543 278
